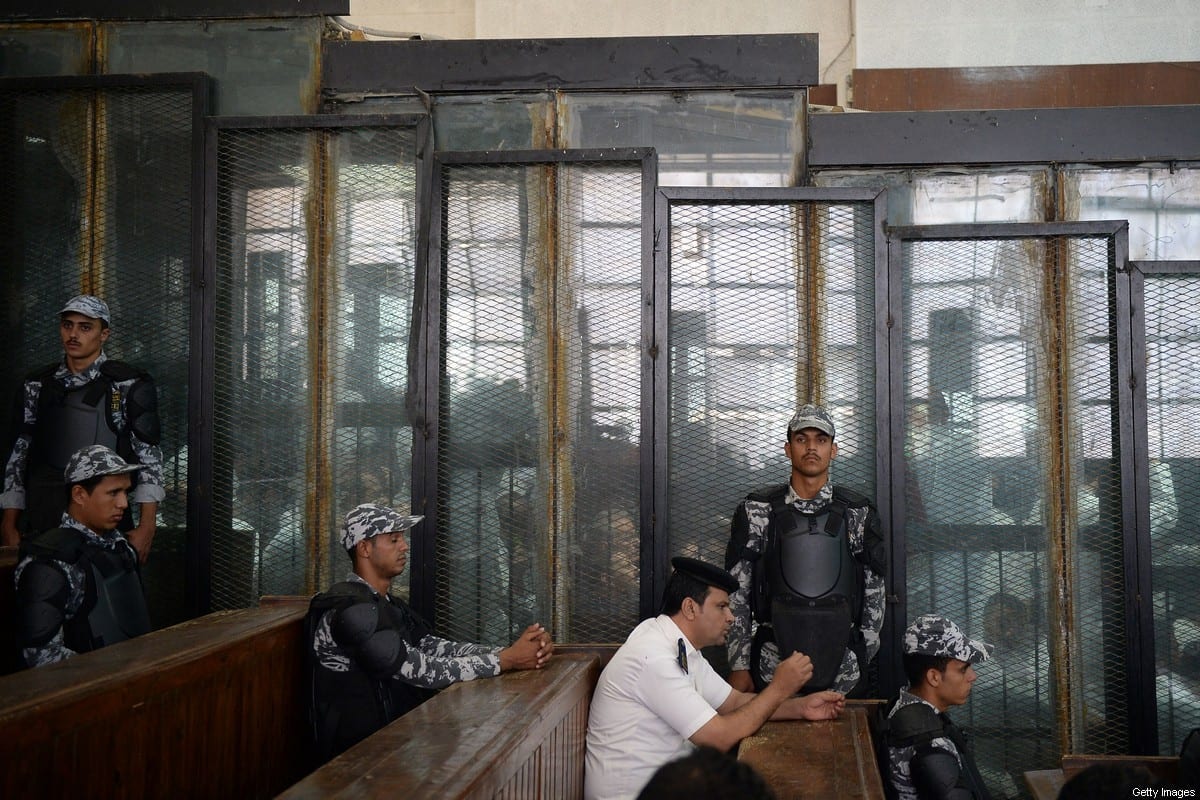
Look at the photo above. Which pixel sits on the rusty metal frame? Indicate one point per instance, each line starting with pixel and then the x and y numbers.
pixel 200 86
pixel 431 366
pixel 1135 515
pixel 1039 136
pixel 743 61
pixel 201 463
pixel 658 566
pixel 1146 712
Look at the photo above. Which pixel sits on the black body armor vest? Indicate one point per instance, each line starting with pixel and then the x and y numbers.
pixel 66 422
pixel 814 584
pixel 347 707
pixel 114 605
pixel 917 725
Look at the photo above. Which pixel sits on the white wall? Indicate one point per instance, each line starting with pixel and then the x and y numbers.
pixel 971 33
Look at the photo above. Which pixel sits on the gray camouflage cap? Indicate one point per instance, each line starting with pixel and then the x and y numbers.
pixel 369 519
pixel 811 416
pixel 94 461
pixel 932 635
pixel 90 306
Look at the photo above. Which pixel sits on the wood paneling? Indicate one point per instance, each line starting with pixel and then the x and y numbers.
pixel 520 735
pixel 818 760
pixel 207 708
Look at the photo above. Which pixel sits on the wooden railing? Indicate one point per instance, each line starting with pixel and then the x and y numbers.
pixel 10 659
pixel 520 735
pixel 818 760
pixel 208 708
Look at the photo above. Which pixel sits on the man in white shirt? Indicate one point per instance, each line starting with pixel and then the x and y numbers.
pixel 658 698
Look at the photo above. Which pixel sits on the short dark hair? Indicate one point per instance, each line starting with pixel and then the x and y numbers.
pixel 707 773
pixel 681 586
pixel 89 485
pixel 917 664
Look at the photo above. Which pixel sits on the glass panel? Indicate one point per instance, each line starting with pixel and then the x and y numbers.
pixel 538 462
pixel 58 49
pixel 943 196
pixel 1161 204
pixel 986 411
pixel 98 198
pixel 310 418
pixel 725 138
pixel 1173 401
pixel 493 122
pixel 260 69
pixel 758 325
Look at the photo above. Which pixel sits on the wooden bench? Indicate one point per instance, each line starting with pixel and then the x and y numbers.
pixel 1045 784
pixel 519 735
pixel 207 708
pixel 819 760
pixel 10 661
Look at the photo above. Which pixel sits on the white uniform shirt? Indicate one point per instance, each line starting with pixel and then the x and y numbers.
pixel 644 709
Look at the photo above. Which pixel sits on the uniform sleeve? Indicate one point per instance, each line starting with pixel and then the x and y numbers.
pixel 326 651
pixel 874 586
pixel 23 421
pixel 433 663
pixel 749 525
pixel 149 488
pixel 667 691
pixel 444 647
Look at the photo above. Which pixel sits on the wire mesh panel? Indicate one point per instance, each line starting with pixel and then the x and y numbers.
pixel 771 306
pixel 539 415
pixel 316 253
pixel 1173 417
pixel 100 198
pixel 1011 501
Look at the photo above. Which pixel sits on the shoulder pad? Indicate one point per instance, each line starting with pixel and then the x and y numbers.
pixel 42 581
pixel 43 373
pixel 768 494
pixel 41 600
pixel 913 721
pixel 120 371
pixel 850 498
pixel 340 595
pixel 64 544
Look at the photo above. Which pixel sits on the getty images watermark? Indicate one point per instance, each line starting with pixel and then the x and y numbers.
pixel 1157 794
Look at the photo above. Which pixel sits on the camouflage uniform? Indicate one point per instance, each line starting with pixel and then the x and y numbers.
pixel 431 663
pixel 935 636
pixel 862 523
pixel 88 462
pixel 372 658
pixel 148 487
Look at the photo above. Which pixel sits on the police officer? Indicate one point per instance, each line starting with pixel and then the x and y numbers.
pixel 809 560
pixel 85 399
pixel 371 657
pixel 658 698
pixel 928 755
pixel 78 587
